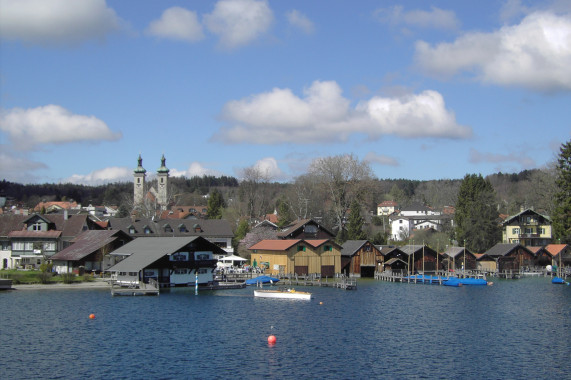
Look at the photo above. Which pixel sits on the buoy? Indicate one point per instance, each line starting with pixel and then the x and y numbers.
pixel 321 303
pixel 272 339
pixel 91 316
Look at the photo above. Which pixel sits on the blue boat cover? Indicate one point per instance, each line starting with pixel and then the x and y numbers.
pixel 261 280
pixel 557 280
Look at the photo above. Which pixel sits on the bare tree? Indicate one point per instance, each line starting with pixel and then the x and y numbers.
pixel 253 180
pixel 304 198
pixel 345 178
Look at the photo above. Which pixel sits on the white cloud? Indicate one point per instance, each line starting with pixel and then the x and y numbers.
pixel 300 21
pixel 56 22
pixel 196 169
pixel 435 18
pixel 522 160
pixel 51 124
pixel 239 22
pixel 323 114
pixel 102 176
pixel 269 167
pixel 18 168
pixel 535 54
pixel 177 23
pixel 381 159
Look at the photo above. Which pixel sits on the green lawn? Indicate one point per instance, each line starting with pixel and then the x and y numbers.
pixel 39 277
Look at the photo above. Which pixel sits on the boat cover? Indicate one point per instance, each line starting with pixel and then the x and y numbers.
pixel 261 280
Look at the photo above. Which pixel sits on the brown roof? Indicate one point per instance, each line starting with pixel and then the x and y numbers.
pixel 554 249
pixel 275 245
pixel 62 205
pixel 89 242
pixel 34 234
pixel 388 204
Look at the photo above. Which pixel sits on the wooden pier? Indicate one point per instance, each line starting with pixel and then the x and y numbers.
pixel 343 282
pixel 435 278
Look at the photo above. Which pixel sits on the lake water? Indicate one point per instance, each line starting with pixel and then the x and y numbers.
pixel 514 329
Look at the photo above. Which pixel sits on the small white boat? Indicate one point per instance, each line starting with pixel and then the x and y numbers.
pixel 285 293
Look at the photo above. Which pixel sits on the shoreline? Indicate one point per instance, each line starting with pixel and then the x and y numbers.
pixel 97 284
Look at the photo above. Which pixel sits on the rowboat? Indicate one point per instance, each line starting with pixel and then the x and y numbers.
pixel 283 293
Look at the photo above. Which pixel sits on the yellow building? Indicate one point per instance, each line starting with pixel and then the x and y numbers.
pixel 297 256
pixel 527 228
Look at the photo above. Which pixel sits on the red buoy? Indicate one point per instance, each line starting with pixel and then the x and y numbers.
pixel 91 316
pixel 272 339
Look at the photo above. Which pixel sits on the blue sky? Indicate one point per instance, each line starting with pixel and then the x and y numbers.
pixel 421 90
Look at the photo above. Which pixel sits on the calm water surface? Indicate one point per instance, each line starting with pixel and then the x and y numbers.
pixel 516 329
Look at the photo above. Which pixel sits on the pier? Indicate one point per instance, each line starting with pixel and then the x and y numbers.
pixel 435 278
pixel 140 289
pixel 341 282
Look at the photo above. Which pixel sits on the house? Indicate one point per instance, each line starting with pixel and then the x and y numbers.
pixel 560 254
pixel 305 229
pixel 402 226
pixel 90 251
pixel 485 263
pixel 459 258
pixel 418 209
pixel 527 228
pixel 511 257
pixel 27 241
pixel 361 258
pixel 171 261
pixel 51 207
pixel 298 256
pixel 217 231
pixel 395 260
pixel 421 258
pixel 386 208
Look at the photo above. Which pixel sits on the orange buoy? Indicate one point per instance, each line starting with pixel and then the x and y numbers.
pixel 321 303
pixel 91 316
pixel 272 339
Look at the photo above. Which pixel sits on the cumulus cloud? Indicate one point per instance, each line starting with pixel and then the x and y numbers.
pixel 534 54
pixel 195 169
pixel 435 18
pixel 496 158
pixel 239 22
pixel 51 124
pixel 300 21
pixel 323 114
pixel 177 23
pixel 56 22
pixel 18 168
pixel 380 159
pixel 102 176
pixel 269 167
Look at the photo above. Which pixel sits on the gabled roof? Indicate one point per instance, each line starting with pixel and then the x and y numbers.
pixel 457 251
pixel 144 251
pixel 528 211
pixel 555 249
pixel 294 227
pixel 416 206
pixel 504 249
pixel 87 243
pixel 53 234
pixel 352 246
pixel 388 204
pixel 275 245
pixel 211 228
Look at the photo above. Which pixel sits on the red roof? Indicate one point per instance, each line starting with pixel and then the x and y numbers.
pixel 388 204
pixel 554 249
pixel 34 234
pixel 275 245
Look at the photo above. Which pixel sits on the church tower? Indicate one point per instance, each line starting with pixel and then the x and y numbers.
pixel 139 175
pixel 162 183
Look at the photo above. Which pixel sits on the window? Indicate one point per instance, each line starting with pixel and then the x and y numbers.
pixel 37 226
pixel 529 230
pixel 168 228
pixel 133 274
pixel 18 246
pixel 327 248
pixel 515 231
pixel 310 229
pixel 301 248
pixel 49 246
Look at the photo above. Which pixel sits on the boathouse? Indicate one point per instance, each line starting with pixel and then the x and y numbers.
pixel 171 261
pixel 422 258
pixel 511 257
pixel 360 258
pixel 485 263
pixel 297 256
pixel 395 260
pixel 459 258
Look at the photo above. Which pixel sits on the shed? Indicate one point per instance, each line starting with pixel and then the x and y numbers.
pixel 360 258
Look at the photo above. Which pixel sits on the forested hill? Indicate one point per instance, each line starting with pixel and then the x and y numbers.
pixel 529 188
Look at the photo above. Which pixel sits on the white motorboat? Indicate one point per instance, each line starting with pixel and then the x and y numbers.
pixel 285 293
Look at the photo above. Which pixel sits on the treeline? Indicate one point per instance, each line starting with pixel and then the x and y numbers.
pixel 528 188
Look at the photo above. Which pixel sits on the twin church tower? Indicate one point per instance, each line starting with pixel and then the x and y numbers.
pixel 139 188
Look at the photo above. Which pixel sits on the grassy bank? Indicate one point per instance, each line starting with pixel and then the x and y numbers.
pixel 39 277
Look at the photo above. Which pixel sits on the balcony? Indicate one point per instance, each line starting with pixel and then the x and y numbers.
pixel 528 236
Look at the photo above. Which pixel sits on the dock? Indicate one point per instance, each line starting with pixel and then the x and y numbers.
pixel 435 279
pixel 346 283
pixel 140 289
pixel 5 284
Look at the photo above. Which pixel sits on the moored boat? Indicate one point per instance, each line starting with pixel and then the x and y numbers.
pixel 559 280
pixel 283 293
pixel 262 280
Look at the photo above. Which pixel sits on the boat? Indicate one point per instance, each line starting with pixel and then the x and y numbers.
pixel 262 280
pixel 283 293
pixel 559 280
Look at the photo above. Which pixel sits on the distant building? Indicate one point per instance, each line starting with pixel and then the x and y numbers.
pixel 386 208
pixel 527 228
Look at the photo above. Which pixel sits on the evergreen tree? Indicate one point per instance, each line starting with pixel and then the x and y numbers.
pixel 476 215
pixel 355 225
pixel 562 215
pixel 284 213
pixel 215 205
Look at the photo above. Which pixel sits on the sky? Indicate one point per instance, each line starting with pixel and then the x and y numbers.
pixel 420 90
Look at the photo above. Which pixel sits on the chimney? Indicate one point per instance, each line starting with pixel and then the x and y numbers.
pixel 65 216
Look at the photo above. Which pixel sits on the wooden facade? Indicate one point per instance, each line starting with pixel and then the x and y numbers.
pixel 301 257
pixel 360 258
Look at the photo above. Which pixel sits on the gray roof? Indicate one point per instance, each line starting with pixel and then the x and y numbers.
pixel 456 251
pixel 144 251
pixel 209 228
pixel 87 243
pixel 503 249
pixel 352 246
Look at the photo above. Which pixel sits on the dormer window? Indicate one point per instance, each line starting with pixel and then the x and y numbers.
pixel 197 228
pixel 132 229
pixel 147 230
pixel 167 228
pixel 182 228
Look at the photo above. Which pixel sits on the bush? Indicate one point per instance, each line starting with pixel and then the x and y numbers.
pixel 68 278
pixel 45 277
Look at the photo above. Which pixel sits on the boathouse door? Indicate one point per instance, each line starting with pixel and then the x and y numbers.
pixel 301 270
pixel 328 271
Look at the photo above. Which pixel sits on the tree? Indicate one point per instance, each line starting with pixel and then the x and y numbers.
pixel 562 216
pixel 253 179
pixel 345 178
pixel 476 214
pixel 215 205
pixel 284 213
pixel 355 224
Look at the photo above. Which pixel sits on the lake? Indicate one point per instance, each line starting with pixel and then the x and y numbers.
pixel 511 330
